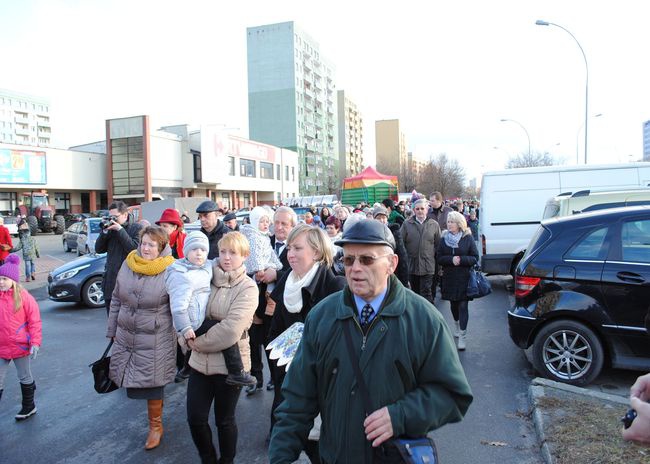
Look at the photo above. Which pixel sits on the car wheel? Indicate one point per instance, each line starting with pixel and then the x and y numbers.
pixel 79 253
pixel 568 352
pixel 66 247
pixel 93 293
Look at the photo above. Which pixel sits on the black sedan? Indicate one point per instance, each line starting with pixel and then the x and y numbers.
pixel 80 280
pixel 582 295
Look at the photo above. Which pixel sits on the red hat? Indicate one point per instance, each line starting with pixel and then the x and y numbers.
pixel 170 216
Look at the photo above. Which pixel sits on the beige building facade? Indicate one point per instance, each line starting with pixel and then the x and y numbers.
pixel 350 136
pixel 390 146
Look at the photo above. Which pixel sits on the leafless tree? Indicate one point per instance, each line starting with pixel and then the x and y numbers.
pixel 530 160
pixel 443 175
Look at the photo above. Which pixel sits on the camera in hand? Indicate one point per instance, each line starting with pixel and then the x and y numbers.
pixel 107 221
pixel 628 418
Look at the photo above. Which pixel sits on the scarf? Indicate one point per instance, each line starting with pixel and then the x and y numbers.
pixel 293 289
pixel 452 239
pixel 148 267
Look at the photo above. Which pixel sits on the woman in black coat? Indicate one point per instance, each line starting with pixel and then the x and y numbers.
pixel 457 254
pixel 309 252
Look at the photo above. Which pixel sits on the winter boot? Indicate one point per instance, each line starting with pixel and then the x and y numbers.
pixel 202 437
pixel 154 408
pixel 241 379
pixel 456 328
pixel 29 408
pixel 462 338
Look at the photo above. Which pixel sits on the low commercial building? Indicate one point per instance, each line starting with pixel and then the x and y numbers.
pixel 137 164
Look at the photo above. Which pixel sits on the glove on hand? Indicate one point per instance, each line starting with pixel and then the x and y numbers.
pixel 33 351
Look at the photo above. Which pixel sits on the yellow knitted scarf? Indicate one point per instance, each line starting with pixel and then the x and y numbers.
pixel 148 266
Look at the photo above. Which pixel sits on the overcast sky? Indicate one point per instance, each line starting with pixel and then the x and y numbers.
pixel 448 70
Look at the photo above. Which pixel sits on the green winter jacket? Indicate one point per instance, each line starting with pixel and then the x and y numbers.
pixel 409 363
pixel 28 245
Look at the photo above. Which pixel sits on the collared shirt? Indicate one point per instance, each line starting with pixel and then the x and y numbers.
pixel 279 246
pixel 420 221
pixel 375 303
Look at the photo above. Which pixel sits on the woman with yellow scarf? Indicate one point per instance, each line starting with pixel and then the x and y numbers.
pixel 143 358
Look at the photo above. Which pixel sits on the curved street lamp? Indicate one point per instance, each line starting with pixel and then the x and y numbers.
pixel 541 22
pixel 522 126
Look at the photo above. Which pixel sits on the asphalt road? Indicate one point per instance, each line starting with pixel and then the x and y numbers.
pixel 76 425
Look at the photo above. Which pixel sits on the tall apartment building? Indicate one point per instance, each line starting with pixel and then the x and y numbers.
pixel 390 144
pixel 24 119
pixel 350 136
pixel 292 101
pixel 646 141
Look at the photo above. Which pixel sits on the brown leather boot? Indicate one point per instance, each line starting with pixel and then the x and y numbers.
pixel 154 408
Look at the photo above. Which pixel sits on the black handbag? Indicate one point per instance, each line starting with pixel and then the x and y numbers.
pixel 477 286
pixel 397 450
pixel 100 368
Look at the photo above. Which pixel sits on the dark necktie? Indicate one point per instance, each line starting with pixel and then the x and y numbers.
pixel 278 246
pixel 366 314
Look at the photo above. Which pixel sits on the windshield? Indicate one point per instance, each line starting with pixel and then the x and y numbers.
pixel 94 227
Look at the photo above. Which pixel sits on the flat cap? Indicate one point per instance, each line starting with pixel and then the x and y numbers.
pixel 368 232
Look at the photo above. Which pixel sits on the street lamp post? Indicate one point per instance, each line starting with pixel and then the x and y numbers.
pixel 541 22
pixel 522 126
pixel 578 135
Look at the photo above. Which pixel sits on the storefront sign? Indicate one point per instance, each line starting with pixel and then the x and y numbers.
pixel 22 167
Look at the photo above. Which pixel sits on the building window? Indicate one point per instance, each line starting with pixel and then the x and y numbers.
pixel 225 200
pixel 8 202
pixel 293 174
pixel 62 202
pixel 247 200
pixel 196 158
pixel 278 172
pixel 266 170
pixel 246 168
pixel 231 166
pixel 128 166
pixel 286 173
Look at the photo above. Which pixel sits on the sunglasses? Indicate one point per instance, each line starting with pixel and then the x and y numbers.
pixel 348 261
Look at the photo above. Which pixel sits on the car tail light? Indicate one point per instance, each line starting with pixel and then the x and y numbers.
pixel 525 285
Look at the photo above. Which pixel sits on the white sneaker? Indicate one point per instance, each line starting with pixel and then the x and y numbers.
pixel 456 329
pixel 462 336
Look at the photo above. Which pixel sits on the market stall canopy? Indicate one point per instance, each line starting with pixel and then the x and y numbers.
pixel 369 177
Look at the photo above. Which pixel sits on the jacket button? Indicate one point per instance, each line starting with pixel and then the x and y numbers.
pixel 383 328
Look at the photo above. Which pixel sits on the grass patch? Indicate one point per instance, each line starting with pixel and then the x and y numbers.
pixel 583 431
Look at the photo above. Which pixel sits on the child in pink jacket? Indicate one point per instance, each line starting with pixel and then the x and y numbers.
pixel 20 333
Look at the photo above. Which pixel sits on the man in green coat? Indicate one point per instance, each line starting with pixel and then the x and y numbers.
pixel 405 352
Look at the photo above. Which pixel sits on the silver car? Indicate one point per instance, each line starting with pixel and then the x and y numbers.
pixel 88 234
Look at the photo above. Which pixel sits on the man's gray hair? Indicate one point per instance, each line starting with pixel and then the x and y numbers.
pixel 421 201
pixel 290 212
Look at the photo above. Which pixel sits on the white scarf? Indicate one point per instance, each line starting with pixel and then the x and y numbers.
pixel 293 289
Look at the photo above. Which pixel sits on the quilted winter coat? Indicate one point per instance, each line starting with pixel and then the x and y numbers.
pixel 144 352
pixel 20 330
pixel 453 286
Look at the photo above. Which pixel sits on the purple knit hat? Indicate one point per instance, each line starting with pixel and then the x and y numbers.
pixel 10 268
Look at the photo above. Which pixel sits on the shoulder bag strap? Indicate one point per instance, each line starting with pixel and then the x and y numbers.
pixel 357 370
pixel 108 348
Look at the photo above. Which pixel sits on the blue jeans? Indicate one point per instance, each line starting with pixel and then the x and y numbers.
pixel 30 268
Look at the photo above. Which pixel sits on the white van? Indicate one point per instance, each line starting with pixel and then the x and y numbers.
pixel 513 203
pixel 583 201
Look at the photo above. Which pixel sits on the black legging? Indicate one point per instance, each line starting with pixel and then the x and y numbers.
pixel 202 390
pixel 460 313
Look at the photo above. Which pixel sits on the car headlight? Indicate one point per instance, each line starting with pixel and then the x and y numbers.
pixel 71 273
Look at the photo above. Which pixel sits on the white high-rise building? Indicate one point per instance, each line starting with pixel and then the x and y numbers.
pixel 350 136
pixel 24 119
pixel 646 141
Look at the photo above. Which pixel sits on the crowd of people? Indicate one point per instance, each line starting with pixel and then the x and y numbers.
pixel 203 306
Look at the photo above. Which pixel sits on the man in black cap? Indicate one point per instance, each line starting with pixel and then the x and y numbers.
pixel 211 225
pixel 230 220
pixel 411 391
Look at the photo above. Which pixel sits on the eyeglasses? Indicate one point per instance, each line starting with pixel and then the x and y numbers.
pixel 348 261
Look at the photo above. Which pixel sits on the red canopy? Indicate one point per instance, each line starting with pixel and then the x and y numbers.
pixel 367 178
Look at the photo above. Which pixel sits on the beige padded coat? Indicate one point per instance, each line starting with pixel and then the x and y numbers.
pixel 144 352
pixel 233 300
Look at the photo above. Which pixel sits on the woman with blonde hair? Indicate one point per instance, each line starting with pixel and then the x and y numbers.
pixel 457 254
pixel 143 358
pixel 309 251
pixel 232 302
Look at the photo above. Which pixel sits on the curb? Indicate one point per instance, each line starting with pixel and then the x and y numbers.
pixel 537 390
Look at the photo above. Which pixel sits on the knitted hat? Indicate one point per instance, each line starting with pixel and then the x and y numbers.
pixel 379 209
pixel 196 240
pixel 170 216
pixel 10 268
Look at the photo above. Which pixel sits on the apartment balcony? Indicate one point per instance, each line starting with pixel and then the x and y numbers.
pixel 43 123
pixel 22 131
pixel 309 132
pixel 309 92
pixel 19 118
pixel 318 121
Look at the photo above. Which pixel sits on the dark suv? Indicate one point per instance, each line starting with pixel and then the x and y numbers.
pixel 582 295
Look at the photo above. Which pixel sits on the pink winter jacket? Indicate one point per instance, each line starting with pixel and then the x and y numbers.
pixel 18 330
